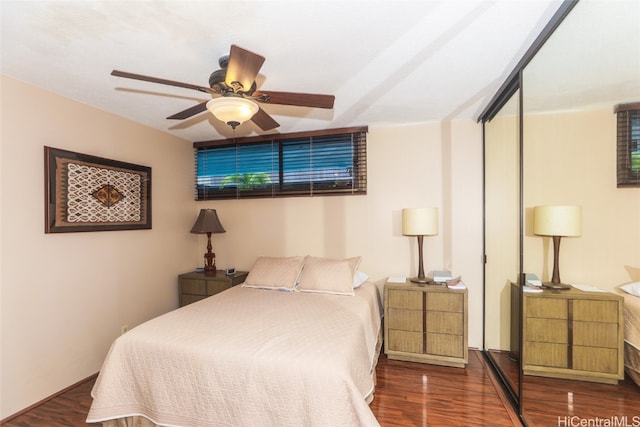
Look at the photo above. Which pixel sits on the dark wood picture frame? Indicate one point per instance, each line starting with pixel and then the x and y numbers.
pixel 90 193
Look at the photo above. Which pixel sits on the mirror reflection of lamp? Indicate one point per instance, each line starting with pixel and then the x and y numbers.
pixel 420 222
pixel 208 223
pixel 557 222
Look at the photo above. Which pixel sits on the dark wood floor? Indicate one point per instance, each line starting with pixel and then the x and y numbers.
pixel 407 394
pixel 554 401
pixel 414 394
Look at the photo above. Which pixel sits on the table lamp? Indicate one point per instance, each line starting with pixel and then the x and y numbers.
pixel 420 222
pixel 208 223
pixel 557 222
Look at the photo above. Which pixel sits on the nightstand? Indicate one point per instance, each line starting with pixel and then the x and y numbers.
pixel 196 285
pixel 573 334
pixel 426 324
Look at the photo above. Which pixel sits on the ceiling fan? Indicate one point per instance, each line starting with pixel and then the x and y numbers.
pixel 234 92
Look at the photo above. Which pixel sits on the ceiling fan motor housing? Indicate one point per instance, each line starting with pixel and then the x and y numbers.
pixel 216 80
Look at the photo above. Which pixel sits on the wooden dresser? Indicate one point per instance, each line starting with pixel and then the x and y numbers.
pixel 196 285
pixel 425 324
pixel 573 334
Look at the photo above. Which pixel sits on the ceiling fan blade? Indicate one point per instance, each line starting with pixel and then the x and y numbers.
pixel 264 120
pixel 191 111
pixel 243 67
pixel 161 81
pixel 292 98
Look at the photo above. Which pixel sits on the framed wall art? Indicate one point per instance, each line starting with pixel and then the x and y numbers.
pixel 89 193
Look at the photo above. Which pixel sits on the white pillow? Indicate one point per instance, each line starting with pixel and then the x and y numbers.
pixel 275 273
pixel 330 276
pixel 632 288
pixel 359 278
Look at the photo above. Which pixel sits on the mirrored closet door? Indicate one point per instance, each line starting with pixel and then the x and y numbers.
pixel 502 238
pixel 590 64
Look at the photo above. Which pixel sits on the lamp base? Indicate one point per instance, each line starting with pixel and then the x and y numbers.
pixel 556 286
pixel 422 280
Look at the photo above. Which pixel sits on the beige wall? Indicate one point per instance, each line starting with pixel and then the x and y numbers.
pixel 570 158
pixel 64 297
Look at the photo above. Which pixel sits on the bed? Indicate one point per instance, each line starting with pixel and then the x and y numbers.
pixel 255 354
pixel 631 294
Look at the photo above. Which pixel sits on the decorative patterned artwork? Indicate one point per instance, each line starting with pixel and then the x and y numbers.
pixel 89 193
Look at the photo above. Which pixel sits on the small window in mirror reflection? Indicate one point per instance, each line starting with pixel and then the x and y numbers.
pixel 628 144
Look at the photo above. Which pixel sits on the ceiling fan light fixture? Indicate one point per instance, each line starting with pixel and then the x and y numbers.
pixel 232 110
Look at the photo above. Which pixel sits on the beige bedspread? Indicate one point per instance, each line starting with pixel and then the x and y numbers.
pixel 632 335
pixel 248 357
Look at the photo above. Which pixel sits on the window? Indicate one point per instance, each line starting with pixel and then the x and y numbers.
pixel 283 165
pixel 628 142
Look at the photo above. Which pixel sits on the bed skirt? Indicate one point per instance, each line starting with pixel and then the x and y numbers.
pixel 632 362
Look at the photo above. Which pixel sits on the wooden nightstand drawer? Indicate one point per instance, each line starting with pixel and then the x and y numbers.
pixel 440 301
pixel 595 359
pixel 404 341
pixel 405 320
pixel 547 308
pixel 595 334
pixel 188 298
pixel 410 300
pixel 445 345
pixel 193 286
pixel 595 311
pixel 445 323
pixel 546 354
pixel 546 330
pixel 216 287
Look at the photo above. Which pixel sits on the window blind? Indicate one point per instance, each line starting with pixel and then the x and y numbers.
pixel 628 144
pixel 303 164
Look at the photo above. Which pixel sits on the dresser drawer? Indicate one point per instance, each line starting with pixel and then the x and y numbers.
pixel 546 330
pixel 406 320
pixel 595 334
pixel 595 359
pixel 595 311
pixel 188 298
pixel 404 299
pixel 445 323
pixel 547 308
pixel 445 345
pixel 214 287
pixel 441 301
pixel 404 341
pixel 193 286
pixel 545 354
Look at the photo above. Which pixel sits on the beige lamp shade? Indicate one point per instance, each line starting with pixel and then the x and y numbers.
pixel 420 221
pixel 557 221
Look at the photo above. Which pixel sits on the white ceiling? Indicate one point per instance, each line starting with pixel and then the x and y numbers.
pixel 387 62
